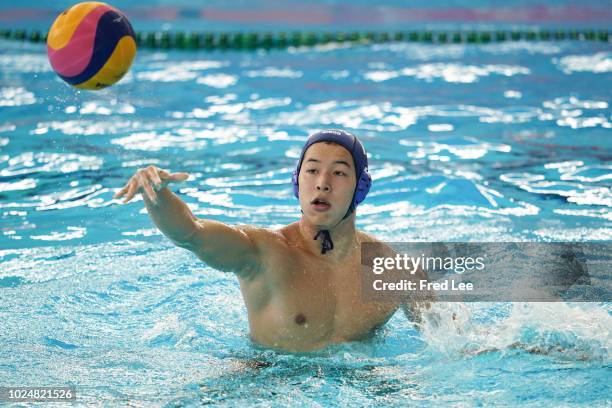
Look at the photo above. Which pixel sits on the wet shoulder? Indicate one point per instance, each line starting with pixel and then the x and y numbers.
pixel 383 249
pixel 265 237
pixel 363 237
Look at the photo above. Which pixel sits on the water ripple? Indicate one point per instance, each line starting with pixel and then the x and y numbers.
pixel 16 96
pixel 90 127
pixel 186 139
pixel 598 63
pixel 217 80
pixel 449 72
pixel 273 72
pixel 424 52
pixel 24 184
pixel 173 71
pixel 574 192
pixel 32 163
pixel 25 63
pixel 102 108
pixel 70 233
pixel 465 148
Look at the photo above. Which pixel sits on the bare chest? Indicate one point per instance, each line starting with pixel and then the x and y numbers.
pixel 307 302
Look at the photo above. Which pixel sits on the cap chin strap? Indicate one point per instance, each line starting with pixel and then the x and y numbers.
pixel 326 242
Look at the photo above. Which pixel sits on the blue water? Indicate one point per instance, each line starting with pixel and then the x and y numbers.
pixel 467 143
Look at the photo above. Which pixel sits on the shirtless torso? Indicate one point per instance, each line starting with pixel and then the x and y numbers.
pixel 298 301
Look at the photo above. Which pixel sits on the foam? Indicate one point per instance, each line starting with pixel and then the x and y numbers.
pixel 563 330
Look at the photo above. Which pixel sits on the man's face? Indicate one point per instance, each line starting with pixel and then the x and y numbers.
pixel 327 181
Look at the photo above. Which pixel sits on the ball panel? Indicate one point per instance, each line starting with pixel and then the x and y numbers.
pixel 115 68
pixel 66 23
pixel 112 27
pixel 73 58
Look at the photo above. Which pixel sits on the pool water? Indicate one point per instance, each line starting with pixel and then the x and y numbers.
pixel 494 142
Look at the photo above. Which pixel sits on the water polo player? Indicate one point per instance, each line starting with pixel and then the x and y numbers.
pixel 301 284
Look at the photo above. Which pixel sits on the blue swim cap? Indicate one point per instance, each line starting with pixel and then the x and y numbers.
pixel 355 148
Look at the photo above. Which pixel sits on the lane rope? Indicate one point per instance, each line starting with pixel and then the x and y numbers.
pixel 270 40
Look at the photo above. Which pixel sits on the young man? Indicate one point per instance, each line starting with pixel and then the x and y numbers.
pixel 301 284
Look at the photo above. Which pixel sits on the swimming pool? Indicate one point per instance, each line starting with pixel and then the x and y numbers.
pixel 491 142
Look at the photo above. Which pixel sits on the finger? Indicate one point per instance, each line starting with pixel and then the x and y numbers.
pixel 132 190
pixel 154 178
pixel 148 189
pixel 122 191
pixel 179 176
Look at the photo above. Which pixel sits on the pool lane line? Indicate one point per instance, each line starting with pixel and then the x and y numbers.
pixel 270 40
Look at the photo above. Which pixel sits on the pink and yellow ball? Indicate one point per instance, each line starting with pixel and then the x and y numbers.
pixel 91 45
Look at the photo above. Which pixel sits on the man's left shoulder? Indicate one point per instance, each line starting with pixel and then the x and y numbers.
pixel 382 249
pixel 363 237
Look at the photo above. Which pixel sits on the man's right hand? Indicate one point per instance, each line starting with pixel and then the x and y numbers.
pixel 224 247
pixel 148 181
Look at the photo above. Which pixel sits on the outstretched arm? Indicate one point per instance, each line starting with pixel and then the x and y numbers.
pixel 231 249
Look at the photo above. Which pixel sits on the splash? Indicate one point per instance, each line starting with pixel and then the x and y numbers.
pixel 574 332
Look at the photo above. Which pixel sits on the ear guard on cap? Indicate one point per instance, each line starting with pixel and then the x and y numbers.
pixel 296 187
pixel 363 187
